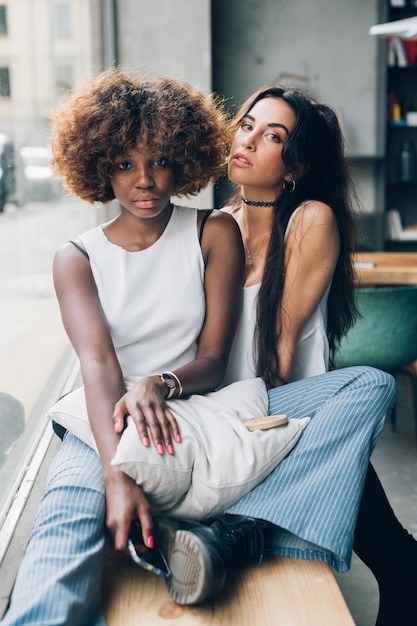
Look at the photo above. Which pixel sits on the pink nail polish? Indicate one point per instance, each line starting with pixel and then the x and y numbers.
pixel 116 427
pixel 178 439
pixel 145 442
pixel 160 448
pixel 151 543
pixel 171 449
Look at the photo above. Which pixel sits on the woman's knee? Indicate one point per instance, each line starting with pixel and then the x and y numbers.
pixel 76 465
pixel 376 380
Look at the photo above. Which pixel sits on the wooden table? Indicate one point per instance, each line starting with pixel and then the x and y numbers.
pixel 385 268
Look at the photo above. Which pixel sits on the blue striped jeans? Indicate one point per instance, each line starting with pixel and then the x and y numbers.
pixel 312 496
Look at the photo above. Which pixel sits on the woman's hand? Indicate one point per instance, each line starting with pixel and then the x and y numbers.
pixel 126 502
pixel 146 404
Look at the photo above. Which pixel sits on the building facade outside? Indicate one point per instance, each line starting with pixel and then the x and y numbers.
pixel 45 48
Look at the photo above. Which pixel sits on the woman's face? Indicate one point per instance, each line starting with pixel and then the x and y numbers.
pixel 255 160
pixel 142 183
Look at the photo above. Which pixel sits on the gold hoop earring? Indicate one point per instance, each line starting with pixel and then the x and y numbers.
pixel 286 188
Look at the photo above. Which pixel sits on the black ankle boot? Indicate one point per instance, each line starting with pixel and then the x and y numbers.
pixel 390 552
pixel 201 555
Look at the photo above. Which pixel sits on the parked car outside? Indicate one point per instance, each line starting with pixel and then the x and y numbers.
pixel 12 177
pixel 41 183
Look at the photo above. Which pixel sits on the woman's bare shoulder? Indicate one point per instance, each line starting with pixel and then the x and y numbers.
pixel 316 208
pixel 222 235
pixel 69 257
pixel 220 219
pixel 314 213
pixel 69 250
pixel 230 210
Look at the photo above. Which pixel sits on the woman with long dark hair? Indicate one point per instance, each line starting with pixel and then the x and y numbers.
pixel 294 202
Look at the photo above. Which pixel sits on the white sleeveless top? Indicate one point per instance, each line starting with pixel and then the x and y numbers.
pixel 153 299
pixel 312 351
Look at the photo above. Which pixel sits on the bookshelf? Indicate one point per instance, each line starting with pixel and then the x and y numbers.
pixel 401 134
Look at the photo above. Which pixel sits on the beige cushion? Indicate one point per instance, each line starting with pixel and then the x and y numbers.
pixel 218 461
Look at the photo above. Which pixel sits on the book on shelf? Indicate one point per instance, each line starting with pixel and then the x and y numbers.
pixel 396 53
pixel 396 230
pixel 402 52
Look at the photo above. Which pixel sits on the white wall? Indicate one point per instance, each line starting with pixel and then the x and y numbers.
pixel 170 37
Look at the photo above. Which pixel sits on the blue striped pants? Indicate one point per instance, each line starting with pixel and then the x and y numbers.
pixel 313 497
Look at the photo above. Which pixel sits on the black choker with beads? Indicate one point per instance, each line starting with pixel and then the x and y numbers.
pixel 253 203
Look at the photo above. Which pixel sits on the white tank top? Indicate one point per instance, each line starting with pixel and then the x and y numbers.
pixel 312 351
pixel 153 299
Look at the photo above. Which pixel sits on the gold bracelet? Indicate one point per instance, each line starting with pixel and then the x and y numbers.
pixel 179 385
pixel 173 383
pixel 177 388
pixel 171 389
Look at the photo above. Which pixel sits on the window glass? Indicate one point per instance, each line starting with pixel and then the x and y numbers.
pixel 36 217
pixel 3 19
pixel 4 82
pixel 64 81
pixel 62 20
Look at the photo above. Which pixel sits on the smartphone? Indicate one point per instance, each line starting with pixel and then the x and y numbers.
pixel 151 559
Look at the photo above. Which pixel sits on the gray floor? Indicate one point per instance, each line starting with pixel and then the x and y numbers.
pixel 395 460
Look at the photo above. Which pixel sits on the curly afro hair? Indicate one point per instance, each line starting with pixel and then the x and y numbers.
pixel 116 111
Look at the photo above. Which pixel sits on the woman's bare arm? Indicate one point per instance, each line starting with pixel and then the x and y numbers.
pixel 87 329
pixel 311 253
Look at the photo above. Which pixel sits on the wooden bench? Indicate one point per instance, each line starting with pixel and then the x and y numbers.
pixel 282 592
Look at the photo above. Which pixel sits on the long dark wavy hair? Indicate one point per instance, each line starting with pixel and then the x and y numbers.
pixel 315 146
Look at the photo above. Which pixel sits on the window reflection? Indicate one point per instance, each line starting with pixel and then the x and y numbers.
pixel 3 19
pixel 61 19
pixel 46 47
